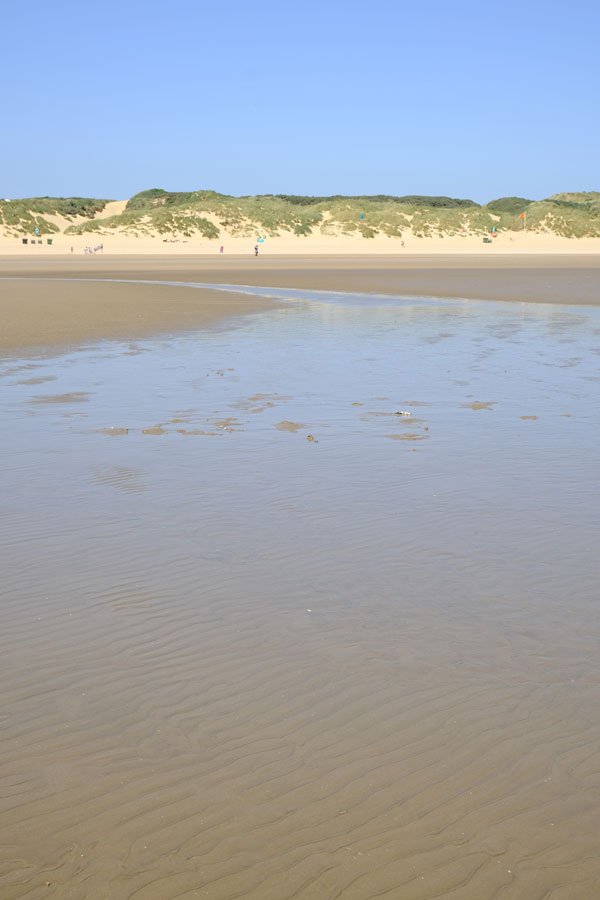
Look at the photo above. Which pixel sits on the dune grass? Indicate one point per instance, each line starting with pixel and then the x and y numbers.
pixel 24 216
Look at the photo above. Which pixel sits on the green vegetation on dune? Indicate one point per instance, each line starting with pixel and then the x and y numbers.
pixel 585 198
pixel 24 216
pixel 567 218
pixel 69 207
pixel 212 215
pixel 157 197
pixel 514 205
pixel 179 212
pixel 139 223
pixel 410 200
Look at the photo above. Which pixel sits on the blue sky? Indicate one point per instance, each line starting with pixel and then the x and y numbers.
pixel 473 99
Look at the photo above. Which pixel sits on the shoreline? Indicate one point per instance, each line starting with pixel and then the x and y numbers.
pixel 39 314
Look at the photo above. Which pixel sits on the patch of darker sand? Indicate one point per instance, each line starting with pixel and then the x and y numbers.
pixel 479 404
pixel 230 423
pixel 375 414
pixel 531 418
pixel 113 431
pixel 198 431
pixel 286 425
pixel 407 418
pixel 257 403
pixel 12 370
pixel 72 397
pixel 155 429
pixel 39 379
pixel 407 436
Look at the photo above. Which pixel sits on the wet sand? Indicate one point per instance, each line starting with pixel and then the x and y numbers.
pixel 44 315
pixel 240 663
pixel 36 314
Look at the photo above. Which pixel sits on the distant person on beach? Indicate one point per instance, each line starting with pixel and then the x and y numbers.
pixel 256 249
pixel 221 248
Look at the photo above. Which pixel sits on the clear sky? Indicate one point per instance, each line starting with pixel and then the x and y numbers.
pixel 473 99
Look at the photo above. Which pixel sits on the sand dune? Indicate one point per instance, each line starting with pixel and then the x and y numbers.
pixel 203 222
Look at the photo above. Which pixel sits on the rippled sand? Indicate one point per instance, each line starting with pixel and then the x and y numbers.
pixel 240 663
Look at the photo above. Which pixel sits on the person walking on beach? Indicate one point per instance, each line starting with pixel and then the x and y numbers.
pixel 256 249
pixel 221 248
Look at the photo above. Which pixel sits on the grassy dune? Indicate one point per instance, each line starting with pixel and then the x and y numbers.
pixel 213 215
pixel 24 216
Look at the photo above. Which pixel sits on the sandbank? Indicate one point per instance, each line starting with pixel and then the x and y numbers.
pixel 45 314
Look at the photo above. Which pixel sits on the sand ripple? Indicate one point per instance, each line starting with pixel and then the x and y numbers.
pixel 252 668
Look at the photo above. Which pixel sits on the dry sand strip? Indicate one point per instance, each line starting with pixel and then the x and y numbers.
pixel 37 314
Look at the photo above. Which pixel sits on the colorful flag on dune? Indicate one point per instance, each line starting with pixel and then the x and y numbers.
pixel 523 215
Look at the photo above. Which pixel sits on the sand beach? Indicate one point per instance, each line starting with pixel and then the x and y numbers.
pixel 327 241
pixel 299 588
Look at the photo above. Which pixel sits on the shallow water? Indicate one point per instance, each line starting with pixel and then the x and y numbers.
pixel 263 637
